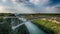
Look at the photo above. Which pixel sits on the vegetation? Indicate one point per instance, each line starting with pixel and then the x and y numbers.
pixel 46 25
pixel 21 30
pixel 49 26
pixel 5 28
pixel 4 15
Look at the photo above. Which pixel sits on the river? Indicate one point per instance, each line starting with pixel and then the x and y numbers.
pixel 32 28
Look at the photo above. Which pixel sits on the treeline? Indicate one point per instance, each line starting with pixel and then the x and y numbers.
pixel 6 14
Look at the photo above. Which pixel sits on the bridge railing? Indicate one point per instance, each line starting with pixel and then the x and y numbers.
pixel 14 22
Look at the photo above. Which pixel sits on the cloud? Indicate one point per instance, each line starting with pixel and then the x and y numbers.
pixel 4 0
pixel 18 1
pixel 15 8
pixel 22 6
pixel 38 2
pixel 7 9
pixel 50 9
pixel 53 9
pixel 25 10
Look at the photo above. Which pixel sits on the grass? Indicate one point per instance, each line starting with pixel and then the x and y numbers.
pixel 49 25
pixel 1 18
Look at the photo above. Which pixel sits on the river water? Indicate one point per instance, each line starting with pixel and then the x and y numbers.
pixel 32 28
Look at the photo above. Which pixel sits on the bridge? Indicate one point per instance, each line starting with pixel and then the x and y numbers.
pixel 15 24
pixel 18 22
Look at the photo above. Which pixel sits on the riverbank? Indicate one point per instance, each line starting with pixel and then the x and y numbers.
pixel 45 29
pixel 48 27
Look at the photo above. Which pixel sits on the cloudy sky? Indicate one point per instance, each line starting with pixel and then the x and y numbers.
pixel 29 6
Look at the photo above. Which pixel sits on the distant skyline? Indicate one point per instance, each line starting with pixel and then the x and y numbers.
pixel 29 6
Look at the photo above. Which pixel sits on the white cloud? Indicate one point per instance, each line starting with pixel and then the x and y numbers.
pixel 14 1
pixel 48 9
pixel 16 8
pixel 6 9
pixel 1 7
pixel 19 7
pixel 38 2
pixel 52 9
pixel 25 10
pixel 4 0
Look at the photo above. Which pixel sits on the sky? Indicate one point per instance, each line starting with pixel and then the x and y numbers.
pixel 29 6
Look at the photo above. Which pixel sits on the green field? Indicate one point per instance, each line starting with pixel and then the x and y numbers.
pixel 49 26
